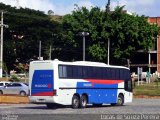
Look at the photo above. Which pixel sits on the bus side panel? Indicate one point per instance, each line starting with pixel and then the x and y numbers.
pixel 99 93
pixel 64 92
pixel 65 96
pixel 42 83
pixel 127 95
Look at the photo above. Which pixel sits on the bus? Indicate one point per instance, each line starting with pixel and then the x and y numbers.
pixel 54 82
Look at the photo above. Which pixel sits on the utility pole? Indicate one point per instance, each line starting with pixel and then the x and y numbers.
pixel 1 44
pixel 108 50
pixel 83 34
pixel 50 53
pixel 107 11
pixel 39 50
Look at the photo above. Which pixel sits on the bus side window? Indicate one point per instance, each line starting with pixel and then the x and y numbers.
pixel 85 74
pixel 106 73
pixel 99 73
pixel 75 72
pixel 117 74
pixel 103 73
pixel 128 81
pixel 62 71
pixel 89 71
pixel 128 86
pixel 69 72
pixel 113 73
pixel 80 72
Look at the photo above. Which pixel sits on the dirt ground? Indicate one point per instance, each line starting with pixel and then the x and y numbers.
pixel 13 99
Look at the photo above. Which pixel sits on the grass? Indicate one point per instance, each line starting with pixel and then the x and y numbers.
pixel 152 89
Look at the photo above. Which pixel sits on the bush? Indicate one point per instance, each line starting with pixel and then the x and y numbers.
pixel 14 78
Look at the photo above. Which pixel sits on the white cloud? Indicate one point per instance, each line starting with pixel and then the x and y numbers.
pixel 45 5
pixel 62 9
pixel 86 4
pixel 141 7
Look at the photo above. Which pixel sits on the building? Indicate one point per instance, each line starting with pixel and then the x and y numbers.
pixel 149 61
pixel 156 20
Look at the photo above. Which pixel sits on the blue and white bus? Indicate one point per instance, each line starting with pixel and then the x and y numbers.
pixel 78 83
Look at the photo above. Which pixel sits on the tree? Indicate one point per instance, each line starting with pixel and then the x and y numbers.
pixel 127 33
pixel 108 6
pixel 130 33
pixel 26 28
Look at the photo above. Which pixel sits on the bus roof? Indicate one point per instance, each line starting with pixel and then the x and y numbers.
pixel 84 63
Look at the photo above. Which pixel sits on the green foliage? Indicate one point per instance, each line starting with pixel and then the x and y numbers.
pixel 26 28
pixel 147 89
pixel 14 78
pixel 97 51
pixel 157 81
pixel 22 68
pixel 5 67
pixel 127 33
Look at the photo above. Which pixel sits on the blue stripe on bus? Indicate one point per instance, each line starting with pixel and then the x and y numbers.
pixel 42 83
pixel 98 95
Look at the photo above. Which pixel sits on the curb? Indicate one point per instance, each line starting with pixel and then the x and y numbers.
pixel 14 99
pixel 145 96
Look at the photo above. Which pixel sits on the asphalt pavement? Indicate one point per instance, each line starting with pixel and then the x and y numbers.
pixel 139 109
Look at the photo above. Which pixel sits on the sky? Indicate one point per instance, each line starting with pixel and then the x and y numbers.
pixel 61 7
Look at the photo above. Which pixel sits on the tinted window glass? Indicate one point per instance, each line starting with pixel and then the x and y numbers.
pixel 90 72
pixel 80 72
pixel 6 83
pixel 121 74
pixel 117 74
pixel 69 72
pixel 1 84
pixel 16 85
pixel 9 85
pixel 62 71
pixel 128 86
pixel 109 73
pixel 113 73
pixel 75 72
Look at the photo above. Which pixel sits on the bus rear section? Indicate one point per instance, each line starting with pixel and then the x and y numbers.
pixel 41 82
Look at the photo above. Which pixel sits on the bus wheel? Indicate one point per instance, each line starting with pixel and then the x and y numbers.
pixel 120 101
pixel 83 101
pixel 75 102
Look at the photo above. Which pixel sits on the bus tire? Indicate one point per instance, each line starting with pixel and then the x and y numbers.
pixel 75 102
pixel 120 100
pixel 83 101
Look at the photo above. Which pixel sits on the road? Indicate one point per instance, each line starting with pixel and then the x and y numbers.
pixel 139 108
